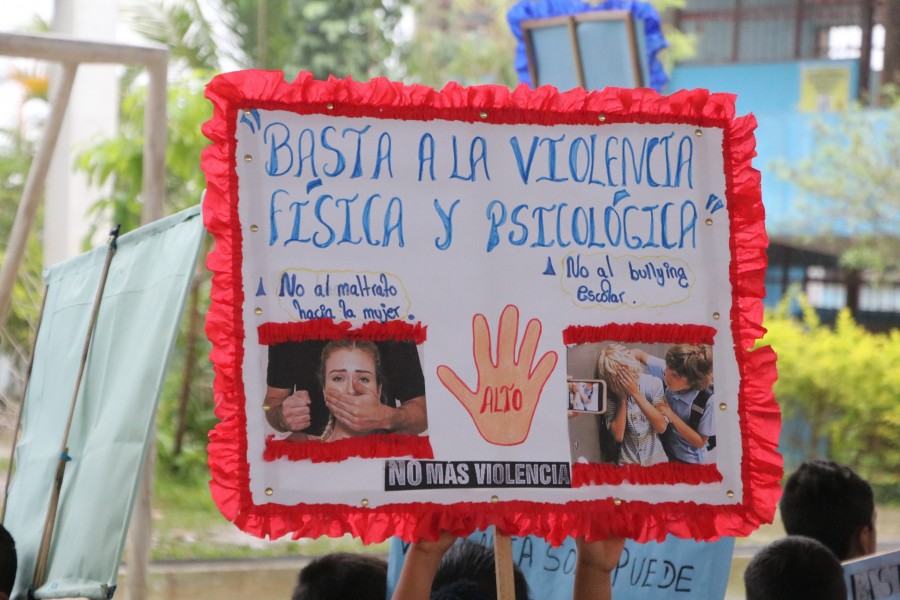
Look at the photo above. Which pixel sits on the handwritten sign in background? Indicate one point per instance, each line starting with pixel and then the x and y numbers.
pixel 345 212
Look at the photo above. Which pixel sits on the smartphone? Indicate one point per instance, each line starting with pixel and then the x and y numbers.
pixel 587 395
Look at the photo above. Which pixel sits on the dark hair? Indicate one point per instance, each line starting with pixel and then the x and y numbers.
pixel 467 573
pixel 8 561
pixel 795 568
pixel 828 502
pixel 693 362
pixel 341 576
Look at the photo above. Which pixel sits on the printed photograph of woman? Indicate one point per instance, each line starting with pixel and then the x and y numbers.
pixel 304 401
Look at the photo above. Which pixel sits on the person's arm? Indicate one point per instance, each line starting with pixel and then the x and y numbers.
pixel 640 355
pixel 286 411
pixel 420 566
pixel 690 436
pixel 617 425
pixel 594 567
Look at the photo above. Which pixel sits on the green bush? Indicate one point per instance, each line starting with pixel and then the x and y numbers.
pixel 844 382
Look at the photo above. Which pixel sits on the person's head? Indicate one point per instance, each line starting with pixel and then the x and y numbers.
pixel 467 572
pixel 795 568
pixel 348 365
pixel 8 563
pixel 342 575
pixel 613 360
pixel 831 503
pixel 689 367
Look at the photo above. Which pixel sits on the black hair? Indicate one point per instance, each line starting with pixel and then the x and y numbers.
pixel 828 502
pixel 342 576
pixel 467 572
pixel 795 568
pixel 8 561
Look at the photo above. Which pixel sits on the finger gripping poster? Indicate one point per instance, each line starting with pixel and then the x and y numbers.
pixel 445 310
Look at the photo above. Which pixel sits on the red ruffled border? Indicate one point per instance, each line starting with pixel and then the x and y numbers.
pixel 370 446
pixel 663 473
pixel 328 329
pixel 761 466
pixel 636 333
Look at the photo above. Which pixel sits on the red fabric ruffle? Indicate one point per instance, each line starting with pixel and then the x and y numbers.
pixel 761 466
pixel 669 333
pixel 328 329
pixel 369 446
pixel 664 473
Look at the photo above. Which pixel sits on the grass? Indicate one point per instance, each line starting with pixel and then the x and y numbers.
pixel 188 525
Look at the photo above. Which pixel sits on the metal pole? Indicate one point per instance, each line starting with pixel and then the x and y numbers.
pixel 34 188
pixel 40 569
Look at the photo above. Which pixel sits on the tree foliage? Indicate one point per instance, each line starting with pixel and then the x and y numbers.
pixel 325 37
pixel 853 175
pixel 21 321
pixel 844 382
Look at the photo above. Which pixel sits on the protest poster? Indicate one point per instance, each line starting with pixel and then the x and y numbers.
pixel 873 577
pixel 428 273
pixel 671 568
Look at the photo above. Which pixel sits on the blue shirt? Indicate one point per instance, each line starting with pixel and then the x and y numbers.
pixel 681 403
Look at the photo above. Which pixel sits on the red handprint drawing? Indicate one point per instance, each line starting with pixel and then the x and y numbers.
pixel 505 397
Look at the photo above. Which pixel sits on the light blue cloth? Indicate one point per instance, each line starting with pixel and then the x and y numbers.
pixel 675 568
pixel 141 308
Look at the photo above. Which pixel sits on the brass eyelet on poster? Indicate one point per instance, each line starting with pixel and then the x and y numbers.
pixel 257 311
pixel 716 316
pixel 254 228
pixel 364 502
pixel 709 221
pixel 329 106
pixel 730 494
pixel 248 158
pixel 601 118
pixel 495 499
pixel 269 491
pixel 617 501
pixel 698 132
pixel 247 112
pixel 483 114
pixel 722 406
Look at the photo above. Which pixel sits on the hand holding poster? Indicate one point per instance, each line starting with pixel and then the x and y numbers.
pixel 407 282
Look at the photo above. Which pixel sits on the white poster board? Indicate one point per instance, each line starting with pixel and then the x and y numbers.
pixel 474 251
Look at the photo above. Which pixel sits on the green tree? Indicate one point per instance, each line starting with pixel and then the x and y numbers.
pixel 844 383
pixel 21 321
pixel 325 37
pixel 853 177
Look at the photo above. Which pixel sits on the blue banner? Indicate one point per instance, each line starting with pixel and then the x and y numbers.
pixel 671 569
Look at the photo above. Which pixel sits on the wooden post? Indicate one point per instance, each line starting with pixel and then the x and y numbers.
pixel 503 564
pixel 34 187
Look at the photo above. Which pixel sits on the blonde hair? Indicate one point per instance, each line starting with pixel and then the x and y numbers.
pixel 613 358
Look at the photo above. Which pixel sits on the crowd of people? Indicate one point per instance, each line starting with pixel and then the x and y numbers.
pixel 828 513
